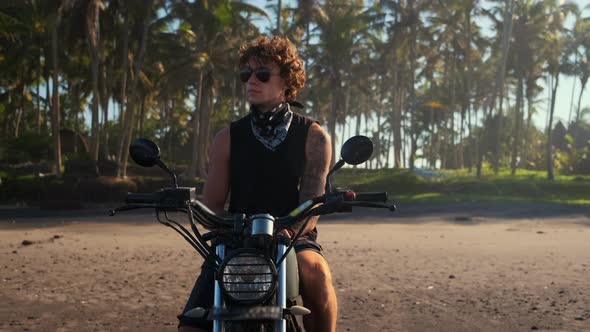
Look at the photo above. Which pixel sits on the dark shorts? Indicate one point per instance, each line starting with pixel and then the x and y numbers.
pixel 202 293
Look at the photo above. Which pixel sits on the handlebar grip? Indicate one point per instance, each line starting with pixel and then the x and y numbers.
pixel 150 198
pixel 372 197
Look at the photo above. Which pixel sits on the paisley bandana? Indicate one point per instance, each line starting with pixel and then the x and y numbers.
pixel 271 128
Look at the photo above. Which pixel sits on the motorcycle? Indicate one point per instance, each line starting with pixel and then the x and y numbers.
pixel 256 278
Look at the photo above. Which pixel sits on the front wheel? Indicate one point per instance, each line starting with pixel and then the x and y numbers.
pixel 249 326
pixel 253 326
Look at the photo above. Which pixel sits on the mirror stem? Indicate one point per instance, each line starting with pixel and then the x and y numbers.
pixel 165 168
pixel 336 167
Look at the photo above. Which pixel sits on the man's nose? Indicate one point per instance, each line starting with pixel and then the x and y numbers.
pixel 253 78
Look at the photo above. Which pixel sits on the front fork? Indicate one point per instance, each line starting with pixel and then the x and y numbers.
pixel 280 325
pixel 218 325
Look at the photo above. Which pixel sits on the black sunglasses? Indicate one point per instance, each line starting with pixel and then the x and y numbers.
pixel 263 74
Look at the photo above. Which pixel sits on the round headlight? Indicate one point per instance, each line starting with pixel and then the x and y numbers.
pixel 247 276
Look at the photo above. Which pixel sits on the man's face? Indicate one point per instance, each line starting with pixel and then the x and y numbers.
pixel 265 88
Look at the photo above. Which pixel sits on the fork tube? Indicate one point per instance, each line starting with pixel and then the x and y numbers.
pixel 281 325
pixel 218 325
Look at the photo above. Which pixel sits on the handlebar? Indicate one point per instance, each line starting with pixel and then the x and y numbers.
pixel 183 198
pixel 372 197
pixel 151 198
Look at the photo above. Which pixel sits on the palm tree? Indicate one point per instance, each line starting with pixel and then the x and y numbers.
pixel 505 25
pixel 344 35
pixel 93 42
pixel 581 45
pixel 55 21
pixel 556 59
pixel 210 41
pixel 131 104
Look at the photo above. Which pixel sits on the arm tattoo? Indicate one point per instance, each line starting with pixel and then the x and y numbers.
pixel 313 181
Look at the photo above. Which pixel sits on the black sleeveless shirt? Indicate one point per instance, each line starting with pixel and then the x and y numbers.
pixel 265 181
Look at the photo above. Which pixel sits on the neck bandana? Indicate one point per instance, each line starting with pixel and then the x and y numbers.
pixel 271 128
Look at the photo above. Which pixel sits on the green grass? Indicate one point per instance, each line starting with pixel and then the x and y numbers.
pixel 460 185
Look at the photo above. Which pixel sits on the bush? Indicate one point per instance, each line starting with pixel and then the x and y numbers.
pixel 151 184
pixel 105 189
pixel 29 147
pixel 21 189
pixel 582 161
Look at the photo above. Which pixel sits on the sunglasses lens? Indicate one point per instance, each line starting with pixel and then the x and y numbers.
pixel 263 74
pixel 245 74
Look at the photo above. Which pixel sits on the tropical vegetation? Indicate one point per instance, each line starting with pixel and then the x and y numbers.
pixel 436 84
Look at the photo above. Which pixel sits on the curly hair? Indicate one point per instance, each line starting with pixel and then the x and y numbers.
pixel 281 51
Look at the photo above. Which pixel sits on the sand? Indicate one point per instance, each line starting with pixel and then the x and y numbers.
pixel 453 267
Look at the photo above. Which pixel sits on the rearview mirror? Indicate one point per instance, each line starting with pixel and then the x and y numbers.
pixel 144 152
pixel 147 154
pixel 356 150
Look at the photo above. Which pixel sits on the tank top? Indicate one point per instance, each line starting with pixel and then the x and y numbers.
pixel 265 181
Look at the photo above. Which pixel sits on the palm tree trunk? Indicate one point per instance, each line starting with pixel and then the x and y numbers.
pixel 468 80
pixel 413 101
pixel 123 92
pixel 488 117
pixel 75 104
pixel 122 171
pixel 204 132
pixel 106 86
pixel 93 38
pixel 47 107
pixel 517 120
pixel 141 117
pixel 19 112
pixel 234 87
pixel 55 107
pixel 279 9
pixel 333 114
pixel 196 116
pixel 525 146
pixel 453 152
pixel 460 161
pixel 569 118
pixel 397 125
pixel 332 125
pixel 38 116
pixel 168 109
pixel 578 113
pixel 506 33
pixel 549 147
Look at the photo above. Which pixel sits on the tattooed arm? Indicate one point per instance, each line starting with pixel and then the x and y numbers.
pixel 318 154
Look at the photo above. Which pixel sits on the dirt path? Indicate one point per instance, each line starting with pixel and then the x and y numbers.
pixel 455 270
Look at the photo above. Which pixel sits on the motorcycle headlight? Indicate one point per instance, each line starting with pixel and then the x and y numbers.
pixel 247 276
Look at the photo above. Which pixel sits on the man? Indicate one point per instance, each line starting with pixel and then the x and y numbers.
pixel 270 161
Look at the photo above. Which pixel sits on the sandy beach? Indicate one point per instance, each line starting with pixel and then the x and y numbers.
pixel 454 267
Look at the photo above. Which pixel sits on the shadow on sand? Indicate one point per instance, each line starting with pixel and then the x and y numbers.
pixel 461 213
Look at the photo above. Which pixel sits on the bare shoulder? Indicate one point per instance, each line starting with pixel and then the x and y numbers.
pixel 318 149
pixel 317 138
pixel 222 136
pixel 221 142
pixel 318 154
